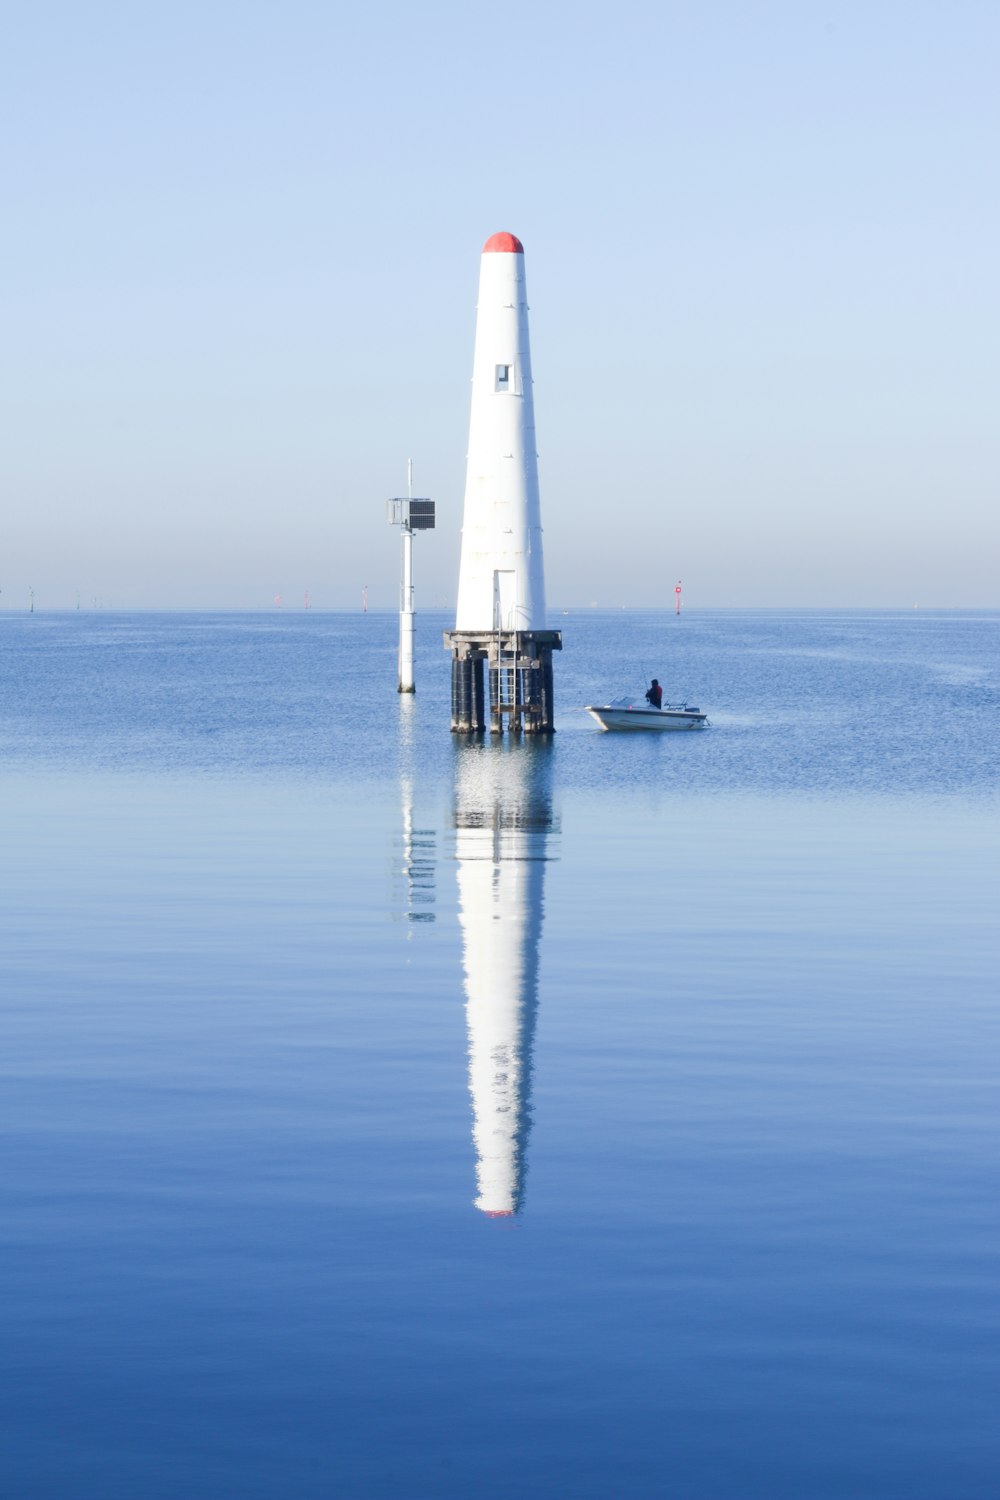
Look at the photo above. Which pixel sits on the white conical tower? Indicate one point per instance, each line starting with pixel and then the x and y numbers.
pixel 502 817
pixel 500 615
pixel 502 570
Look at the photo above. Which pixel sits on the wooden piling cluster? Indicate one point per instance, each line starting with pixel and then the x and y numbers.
pixel 517 668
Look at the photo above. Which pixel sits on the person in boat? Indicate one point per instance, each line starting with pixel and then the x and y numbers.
pixel 654 695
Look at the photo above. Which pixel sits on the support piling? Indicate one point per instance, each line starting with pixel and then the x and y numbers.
pixel 518 668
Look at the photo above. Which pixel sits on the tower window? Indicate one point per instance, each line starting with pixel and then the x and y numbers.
pixel 503 377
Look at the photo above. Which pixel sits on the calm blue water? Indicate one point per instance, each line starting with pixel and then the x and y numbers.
pixel 395 1117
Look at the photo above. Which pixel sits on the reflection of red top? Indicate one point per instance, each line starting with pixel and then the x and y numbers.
pixel 508 242
pixel 498 1213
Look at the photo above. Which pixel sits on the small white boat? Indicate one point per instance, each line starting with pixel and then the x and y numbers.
pixel 623 713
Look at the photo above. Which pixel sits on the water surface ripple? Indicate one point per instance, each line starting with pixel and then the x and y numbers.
pixel 390 1116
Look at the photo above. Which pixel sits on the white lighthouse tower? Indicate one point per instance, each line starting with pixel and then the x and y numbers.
pixel 503 819
pixel 500 618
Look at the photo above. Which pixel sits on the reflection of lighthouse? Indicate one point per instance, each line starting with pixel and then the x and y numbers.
pixel 502 819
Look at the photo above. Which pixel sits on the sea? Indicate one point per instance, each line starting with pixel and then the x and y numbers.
pixel 393 1114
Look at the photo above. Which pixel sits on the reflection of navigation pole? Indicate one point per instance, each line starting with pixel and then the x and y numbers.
pixel 417 848
pixel 417 861
pixel 502 820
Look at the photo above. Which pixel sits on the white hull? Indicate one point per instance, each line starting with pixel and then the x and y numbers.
pixel 630 716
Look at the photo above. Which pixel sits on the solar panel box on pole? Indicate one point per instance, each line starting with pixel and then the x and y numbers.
pixel 418 515
pixel 422 515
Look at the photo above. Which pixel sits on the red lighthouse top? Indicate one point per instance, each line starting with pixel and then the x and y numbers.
pixel 504 242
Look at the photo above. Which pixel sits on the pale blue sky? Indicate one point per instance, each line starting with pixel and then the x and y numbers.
pixel 240 256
